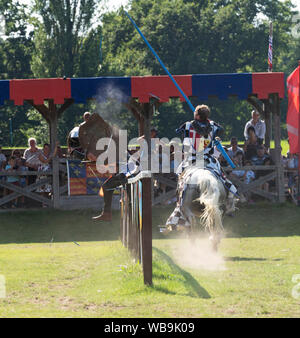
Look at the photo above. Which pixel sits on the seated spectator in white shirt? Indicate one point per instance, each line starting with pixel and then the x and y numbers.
pixel 250 175
pixel 238 161
pixel 31 156
pixel 258 125
pixel 234 149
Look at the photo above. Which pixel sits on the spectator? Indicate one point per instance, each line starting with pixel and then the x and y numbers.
pixel 250 147
pixel 261 156
pixel 234 149
pixel 75 150
pixel 11 167
pixel 250 175
pixel 31 156
pixel 258 125
pixel 17 154
pixel 86 116
pixel 60 153
pixel 153 132
pixel 248 178
pixel 45 158
pixel 2 159
pixel 261 159
pixel 222 160
pixel 238 161
pixel 240 158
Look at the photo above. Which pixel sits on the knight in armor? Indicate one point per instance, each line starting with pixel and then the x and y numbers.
pixel 74 147
pixel 199 137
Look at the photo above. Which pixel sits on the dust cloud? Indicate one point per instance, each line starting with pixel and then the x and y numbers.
pixel 198 254
pixel 110 105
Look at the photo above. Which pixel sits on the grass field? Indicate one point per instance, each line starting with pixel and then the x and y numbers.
pixel 61 264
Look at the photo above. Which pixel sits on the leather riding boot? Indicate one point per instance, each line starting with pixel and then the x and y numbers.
pixel 105 216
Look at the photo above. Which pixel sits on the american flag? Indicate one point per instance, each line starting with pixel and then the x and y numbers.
pixel 270 51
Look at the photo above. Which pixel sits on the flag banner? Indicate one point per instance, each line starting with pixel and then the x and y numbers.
pixel 84 179
pixel 141 204
pixel 292 119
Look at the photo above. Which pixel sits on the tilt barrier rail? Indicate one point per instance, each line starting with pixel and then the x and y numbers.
pixel 136 220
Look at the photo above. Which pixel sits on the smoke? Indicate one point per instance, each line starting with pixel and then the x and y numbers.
pixel 110 105
pixel 198 254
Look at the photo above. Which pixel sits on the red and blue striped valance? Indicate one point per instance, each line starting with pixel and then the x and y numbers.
pixel 143 88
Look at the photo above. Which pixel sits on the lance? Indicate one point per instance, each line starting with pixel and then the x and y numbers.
pixel 217 143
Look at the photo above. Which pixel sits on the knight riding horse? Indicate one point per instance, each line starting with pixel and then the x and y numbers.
pixel 200 131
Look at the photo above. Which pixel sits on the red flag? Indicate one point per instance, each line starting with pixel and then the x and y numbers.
pixel 292 119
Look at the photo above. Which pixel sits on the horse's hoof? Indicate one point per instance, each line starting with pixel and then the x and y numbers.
pixel 166 229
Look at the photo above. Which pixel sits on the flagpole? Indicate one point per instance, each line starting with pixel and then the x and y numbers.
pixel 270 68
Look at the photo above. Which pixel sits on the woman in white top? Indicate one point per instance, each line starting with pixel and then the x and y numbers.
pixel 45 158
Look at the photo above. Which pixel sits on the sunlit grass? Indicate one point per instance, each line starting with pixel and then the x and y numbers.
pixel 61 264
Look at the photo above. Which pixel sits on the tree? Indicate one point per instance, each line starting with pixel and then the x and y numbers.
pixel 15 56
pixel 60 31
pixel 191 37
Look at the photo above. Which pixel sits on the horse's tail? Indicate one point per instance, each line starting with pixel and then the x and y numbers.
pixel 211 216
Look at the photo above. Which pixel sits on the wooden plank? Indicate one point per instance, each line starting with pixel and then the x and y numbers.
pixel 147 231
pixel 14 195
pixel 268 122
pixel 272 197
pixel 26 173
pixel 258 182
pixel 27 193
pixel 252 167
pixel 55 183
pixel 254 184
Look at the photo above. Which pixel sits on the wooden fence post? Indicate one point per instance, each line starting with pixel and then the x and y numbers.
pixel 277 139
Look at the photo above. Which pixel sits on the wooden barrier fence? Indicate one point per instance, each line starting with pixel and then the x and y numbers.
pixel 136 221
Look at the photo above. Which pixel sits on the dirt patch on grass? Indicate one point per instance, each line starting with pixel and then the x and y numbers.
pixel 198 255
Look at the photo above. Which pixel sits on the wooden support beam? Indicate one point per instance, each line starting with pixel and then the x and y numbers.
pixel 275 105
pixel 256 104
pixel 268 122
pixel 136 110
pixel 64 106
pixel 147 230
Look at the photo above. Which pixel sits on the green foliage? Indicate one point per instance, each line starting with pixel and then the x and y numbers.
pixel 59 35
pixel 55 38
